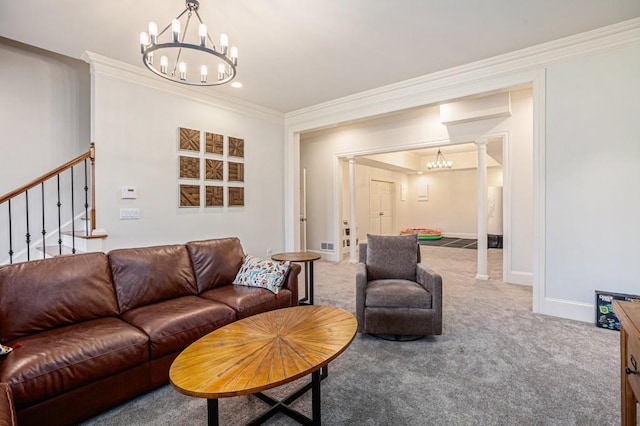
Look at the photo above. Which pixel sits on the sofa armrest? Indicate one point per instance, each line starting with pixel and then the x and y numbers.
pixel 7 409
pixel 291 282
pixel 361 287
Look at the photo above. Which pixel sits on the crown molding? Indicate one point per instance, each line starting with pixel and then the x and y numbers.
pixel 111 68
pixel 441 85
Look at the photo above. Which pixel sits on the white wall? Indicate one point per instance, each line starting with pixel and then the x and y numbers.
pixel 452 205
pixel 44 112
pixel 418 128
pixel 593 175
pixel 135 128
pixel 44 117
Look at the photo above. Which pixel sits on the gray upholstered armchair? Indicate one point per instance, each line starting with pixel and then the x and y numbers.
pixel 395 294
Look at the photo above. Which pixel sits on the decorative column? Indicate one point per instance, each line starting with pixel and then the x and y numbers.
pixel 353 229
pixel 482 210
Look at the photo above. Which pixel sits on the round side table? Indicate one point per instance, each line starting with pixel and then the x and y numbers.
pixel 302 257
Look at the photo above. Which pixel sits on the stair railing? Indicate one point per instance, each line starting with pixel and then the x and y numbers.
pixel 65 191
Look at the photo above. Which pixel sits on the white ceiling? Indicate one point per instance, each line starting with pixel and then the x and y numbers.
pixel 298 53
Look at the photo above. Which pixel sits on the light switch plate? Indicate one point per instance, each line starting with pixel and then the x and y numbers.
pixel 130 214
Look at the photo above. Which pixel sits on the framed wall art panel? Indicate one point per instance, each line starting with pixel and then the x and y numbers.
pixel 214 196
pixel 236 171
pixel 189 139
pixel 213 169
pixel 236 196
pixel 236 147
pixel 189 195
pixel 189 167
pixel 214 143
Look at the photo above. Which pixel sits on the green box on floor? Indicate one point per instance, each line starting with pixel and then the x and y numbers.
pixel 605 317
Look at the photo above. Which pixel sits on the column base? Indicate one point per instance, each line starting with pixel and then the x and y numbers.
pixel 482 277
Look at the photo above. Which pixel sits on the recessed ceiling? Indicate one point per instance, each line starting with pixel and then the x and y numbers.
pixel 295 54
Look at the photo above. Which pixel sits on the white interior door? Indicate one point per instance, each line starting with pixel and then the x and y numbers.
pixel 380 207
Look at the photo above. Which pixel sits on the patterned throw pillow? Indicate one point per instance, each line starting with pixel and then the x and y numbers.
pixel 5 349
pixel 256 272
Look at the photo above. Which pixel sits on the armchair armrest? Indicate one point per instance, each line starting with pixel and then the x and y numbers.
pixel 432 282
pixel 361 286
pixel 291 282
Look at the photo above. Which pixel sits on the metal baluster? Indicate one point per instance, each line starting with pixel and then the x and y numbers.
pixel 10 239
pixel 59 204
pixel 73 222
pixel 86 201
pixel 27 235
pixel 44 232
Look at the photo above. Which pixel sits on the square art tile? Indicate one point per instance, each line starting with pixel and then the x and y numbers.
pixel 189 195
pixel 189 139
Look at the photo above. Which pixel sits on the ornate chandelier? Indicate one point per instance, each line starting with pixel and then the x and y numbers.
pixel 196 62
pixel 439 162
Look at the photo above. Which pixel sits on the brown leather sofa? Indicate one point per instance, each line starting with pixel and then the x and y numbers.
pixel 95 329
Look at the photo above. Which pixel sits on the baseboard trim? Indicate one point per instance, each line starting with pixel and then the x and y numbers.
pixel 521 278
pixel 568 309
pixel 460 235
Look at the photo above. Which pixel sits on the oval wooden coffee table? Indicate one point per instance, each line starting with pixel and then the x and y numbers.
pixel 264 351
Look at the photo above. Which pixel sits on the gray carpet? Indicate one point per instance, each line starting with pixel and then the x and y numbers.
pixel 496 363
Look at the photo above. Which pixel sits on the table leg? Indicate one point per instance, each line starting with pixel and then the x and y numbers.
pixel 310 282
pixel 212 412
pixel 306 281
pixel 315 398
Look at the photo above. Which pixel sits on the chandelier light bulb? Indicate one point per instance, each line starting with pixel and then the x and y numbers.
pixel 234 55
pixel 153 32
pixel 221 71
pixel 224 43
pixel 202 32
pixel 164 62
pixel 182 67
pixel 175 29
pixel 203 74
pixel 144 40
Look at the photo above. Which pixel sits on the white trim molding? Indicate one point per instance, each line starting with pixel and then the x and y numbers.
pixel 107 67
pixel 444 85
pixel 569 309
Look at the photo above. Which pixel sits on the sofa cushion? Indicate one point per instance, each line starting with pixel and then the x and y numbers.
pixel 247 301
pixel 392 256
pixel 45 294
pixel 215 262
pixel 143 276
pixel 267 274
pixel 397 293
pixel 174 324
pixel 59 360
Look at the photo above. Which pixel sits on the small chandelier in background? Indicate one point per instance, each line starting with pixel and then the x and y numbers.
pixel 439 162
pixel 192 62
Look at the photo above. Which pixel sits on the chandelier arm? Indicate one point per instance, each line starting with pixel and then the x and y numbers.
pixel 175 66
pixel 184 34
